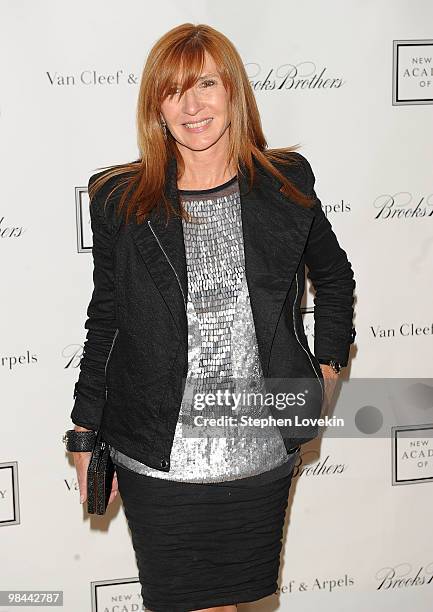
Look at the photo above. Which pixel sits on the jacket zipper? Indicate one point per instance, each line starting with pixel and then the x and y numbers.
pixel 108 359
pixel 299 342
pixel 172 267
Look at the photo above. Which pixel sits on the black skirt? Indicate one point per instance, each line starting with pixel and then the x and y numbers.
pixel 204 545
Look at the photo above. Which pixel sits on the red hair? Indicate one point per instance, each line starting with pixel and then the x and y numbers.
pixel 178 56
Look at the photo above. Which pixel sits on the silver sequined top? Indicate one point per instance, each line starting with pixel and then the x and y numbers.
pixel 222 353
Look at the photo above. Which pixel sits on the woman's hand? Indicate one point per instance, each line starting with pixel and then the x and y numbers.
pixel 82 461
pixel 330 379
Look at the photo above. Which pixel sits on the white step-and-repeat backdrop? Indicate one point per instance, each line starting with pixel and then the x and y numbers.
pixel 352 82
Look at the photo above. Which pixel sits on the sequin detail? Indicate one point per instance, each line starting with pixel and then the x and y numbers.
pixel 222 349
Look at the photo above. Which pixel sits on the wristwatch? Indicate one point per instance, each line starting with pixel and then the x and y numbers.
pixel 335 365
pixel 79 441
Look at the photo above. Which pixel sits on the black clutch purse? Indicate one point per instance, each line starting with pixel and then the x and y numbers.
pixel 100 475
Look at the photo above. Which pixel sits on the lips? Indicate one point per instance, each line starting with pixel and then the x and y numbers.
pixel 198 124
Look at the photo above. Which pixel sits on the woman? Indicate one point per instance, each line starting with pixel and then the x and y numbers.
pixel 199 252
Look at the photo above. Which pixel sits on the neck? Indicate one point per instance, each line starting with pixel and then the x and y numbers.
pixel 205 169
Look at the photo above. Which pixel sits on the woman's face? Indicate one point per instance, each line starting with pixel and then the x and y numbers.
pixel 200 118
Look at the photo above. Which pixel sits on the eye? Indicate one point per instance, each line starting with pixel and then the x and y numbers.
pixel 173 91
pixel 208 83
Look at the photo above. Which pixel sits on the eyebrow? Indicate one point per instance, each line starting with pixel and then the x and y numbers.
pixel 206 76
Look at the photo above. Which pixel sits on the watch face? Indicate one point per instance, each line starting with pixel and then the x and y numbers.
pixel 335 366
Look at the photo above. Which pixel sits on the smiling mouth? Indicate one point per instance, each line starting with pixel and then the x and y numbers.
pixel 198 123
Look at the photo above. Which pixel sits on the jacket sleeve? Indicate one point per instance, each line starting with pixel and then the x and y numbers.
pixel 89 390
pixel 332 276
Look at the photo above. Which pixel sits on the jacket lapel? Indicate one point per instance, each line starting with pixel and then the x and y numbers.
pixel 275 230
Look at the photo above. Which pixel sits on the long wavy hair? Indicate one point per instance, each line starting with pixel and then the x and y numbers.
pixel 181 51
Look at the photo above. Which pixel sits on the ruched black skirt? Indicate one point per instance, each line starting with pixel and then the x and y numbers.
pixel 204 545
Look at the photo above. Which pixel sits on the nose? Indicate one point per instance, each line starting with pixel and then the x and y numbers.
pixel 191 103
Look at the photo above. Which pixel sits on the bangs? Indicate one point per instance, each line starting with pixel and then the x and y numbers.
pixel 181 68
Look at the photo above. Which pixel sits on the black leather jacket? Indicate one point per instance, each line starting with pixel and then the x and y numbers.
pixel 135 358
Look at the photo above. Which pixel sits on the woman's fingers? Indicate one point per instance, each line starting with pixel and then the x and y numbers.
pixel 114 489
pixel 82 461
